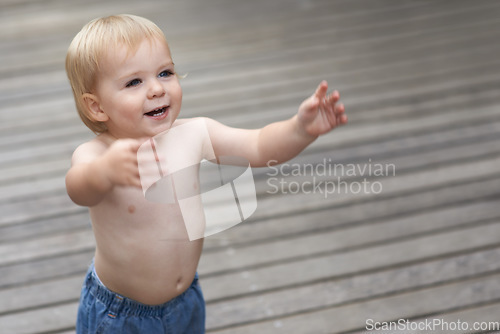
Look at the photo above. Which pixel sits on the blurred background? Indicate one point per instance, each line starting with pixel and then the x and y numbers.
pixel 322 253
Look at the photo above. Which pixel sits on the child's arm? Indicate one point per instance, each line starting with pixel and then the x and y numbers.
pixel 281 141
pixel 96 169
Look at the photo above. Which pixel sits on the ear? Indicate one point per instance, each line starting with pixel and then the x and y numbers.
pixel 93 108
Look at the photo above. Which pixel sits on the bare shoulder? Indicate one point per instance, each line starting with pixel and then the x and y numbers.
pixel 213 126
pixel 198 132
pixel 197 126
pixel 90 150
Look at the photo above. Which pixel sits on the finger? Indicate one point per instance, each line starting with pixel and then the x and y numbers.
pixel 342 119
pixel 329 102
pixel 334 97
pixel 320 92
pixel 339 109
pixel 136 174
pixel 332 119
pixel 329 109
pixel 136 182
pixel 135 144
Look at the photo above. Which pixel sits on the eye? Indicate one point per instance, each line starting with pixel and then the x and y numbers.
pixel 166 74
pixel 133 83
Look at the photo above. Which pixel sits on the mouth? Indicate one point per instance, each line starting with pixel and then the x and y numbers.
pixel 158 113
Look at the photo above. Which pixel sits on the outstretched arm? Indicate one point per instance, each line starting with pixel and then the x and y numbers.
pixel 281 141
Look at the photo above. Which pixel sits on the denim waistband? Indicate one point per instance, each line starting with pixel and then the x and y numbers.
pixel 118 304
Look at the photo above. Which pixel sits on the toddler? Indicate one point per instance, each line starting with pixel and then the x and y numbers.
pixel 127 91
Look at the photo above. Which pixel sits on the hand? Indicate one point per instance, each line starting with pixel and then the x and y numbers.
pixel 119 163
pixel 320 113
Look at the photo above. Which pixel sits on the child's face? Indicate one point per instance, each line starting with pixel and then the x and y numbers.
pixel 139 92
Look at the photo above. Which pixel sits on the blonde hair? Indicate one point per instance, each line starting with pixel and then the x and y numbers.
pixel 91 45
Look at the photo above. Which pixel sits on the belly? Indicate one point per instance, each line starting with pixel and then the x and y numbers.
pixel 143 251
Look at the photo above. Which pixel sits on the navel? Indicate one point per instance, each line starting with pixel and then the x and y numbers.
pixel 179 283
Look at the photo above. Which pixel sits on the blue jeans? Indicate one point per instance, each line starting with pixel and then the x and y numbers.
pixel 103 311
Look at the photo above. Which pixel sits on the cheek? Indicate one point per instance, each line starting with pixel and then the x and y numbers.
pixel 122 108
pixel 127 101
pixel 178 93
pixel 174 89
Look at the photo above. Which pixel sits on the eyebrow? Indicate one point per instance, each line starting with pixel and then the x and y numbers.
pixel 137 73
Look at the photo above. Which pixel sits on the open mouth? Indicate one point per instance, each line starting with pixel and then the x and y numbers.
pixel 157 112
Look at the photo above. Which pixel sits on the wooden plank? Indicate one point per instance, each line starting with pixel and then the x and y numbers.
pixel 339 293
pixel 408 145
pixel 381 31
pixel 314 241
pixel 407 209
pixel 55 149
pixel 61 110
pixel 380 94
pixel 45 269
pixel 42 227
pixel 360 132
pixel 400 77
pixel 323 266
pixel 333 166
pixel 279 303
pixel 366 213
pixel 201 98
pixel 36 170
pixel 43 294
pixel 393 185
pixel 394 126
pixel 300 14
pixel 341 51
pixel 427 160
pixel 461 104
pixel 266 246
pixel 354 316
pixel 421 84
pixel 33 209
pixel 63 78
pixel 45 247
pixel 432 158
pixel 60 317
pixel 379 210
pixel 30 187
pixel 348 317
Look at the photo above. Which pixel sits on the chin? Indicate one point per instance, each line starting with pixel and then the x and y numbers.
pixel 160 129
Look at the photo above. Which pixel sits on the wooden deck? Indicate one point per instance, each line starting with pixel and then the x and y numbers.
pixel 420 81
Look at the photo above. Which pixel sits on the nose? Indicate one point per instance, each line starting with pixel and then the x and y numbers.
pixel 155 89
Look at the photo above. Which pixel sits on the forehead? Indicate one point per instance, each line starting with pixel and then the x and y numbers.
pixel 122 57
